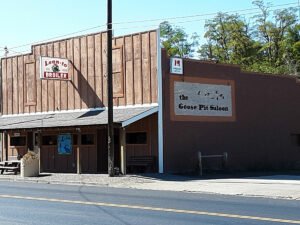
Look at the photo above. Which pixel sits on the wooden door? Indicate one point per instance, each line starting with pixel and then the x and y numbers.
pixel 52 161
pixel 48 163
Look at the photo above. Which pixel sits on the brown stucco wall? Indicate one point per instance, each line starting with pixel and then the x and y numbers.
pixel 267 113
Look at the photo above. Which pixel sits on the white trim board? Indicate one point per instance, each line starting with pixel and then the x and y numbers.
pixel 160 107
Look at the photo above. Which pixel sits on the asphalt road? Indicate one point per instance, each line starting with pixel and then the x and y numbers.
pixel 33 203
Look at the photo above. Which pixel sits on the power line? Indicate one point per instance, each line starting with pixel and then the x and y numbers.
pixel 150 20
pixel 198 15
pixel 179 22
pixel 53 38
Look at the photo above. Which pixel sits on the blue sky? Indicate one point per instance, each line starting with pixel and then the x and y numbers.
pixel 28 21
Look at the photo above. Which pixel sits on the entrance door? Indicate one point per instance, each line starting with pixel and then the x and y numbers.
pixel 52 160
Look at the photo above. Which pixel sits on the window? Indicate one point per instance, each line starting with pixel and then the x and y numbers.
pixel 49 140
pixel 295 139
pixel 18 141
pixel 136 138
pixel 87 139
pixel 30 141
pixel 75 136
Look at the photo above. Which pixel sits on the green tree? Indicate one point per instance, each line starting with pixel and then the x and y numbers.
pixel 270 44
pixel 176 41
pixel 273 33
pixel 292 46
pixel 228 40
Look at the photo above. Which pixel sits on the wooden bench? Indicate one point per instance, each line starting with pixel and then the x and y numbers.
pixel 10 166
pixel 141 163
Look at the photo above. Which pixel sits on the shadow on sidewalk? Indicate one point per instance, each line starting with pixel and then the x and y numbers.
pixel 278 175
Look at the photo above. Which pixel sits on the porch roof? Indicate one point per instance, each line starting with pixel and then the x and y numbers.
pixel 122 116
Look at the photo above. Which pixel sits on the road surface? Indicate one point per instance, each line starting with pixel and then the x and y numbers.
pixel 34 203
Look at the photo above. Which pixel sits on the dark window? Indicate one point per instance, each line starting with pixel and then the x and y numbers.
pixel 295 139
pixel 30 141
pixel 36 139
pixel 87 139
pixel 18 141
pixel 75 136
pixel 49 140
pixel 136 138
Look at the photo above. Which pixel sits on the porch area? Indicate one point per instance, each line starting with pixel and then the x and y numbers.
pixel 77 142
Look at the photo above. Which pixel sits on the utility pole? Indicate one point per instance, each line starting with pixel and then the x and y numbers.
pixel 110 127
pixel 6 51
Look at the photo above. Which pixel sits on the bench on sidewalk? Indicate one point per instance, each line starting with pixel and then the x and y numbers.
pixel 10 166
pixel 141 163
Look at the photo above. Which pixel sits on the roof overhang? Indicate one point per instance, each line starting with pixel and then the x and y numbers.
pixel 123 116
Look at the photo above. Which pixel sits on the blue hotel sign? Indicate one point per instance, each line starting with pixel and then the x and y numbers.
pixel 64 143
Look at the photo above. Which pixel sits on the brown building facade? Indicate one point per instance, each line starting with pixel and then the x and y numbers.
pixel 257 124
pixel 210 108
pixel 37 112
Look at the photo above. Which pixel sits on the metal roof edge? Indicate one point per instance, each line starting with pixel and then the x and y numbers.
pixel 140 116
pixel 80 110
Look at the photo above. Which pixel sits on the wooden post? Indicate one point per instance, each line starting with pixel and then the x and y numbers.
pixel 200 163
pixel 78 154
pixel 123 150
pixel 225 158
pixel 110 126
pixel 2 147
pixel 6 145
pixel 39 136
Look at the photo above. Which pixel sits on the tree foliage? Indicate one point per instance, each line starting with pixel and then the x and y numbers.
pixel 176 41
pixel 229 40
pixel 268 42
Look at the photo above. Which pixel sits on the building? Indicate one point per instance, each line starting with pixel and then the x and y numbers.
pixel 67 110
pixel 168 111
pixel 252 117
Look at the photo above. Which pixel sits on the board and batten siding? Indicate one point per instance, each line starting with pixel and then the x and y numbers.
pixel 134 74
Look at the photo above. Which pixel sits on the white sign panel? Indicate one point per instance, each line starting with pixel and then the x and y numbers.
pixel 176 66
pixel 196 99
pixel 54 68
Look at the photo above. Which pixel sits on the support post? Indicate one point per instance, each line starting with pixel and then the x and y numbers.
pixel 1 150
pixel 110 141
pixel 200 163
pixel 123 150
pixel 39 137
pixel 6 145
pixel 225 158
pixel 78 154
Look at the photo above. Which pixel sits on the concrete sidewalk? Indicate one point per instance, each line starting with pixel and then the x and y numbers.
pixel 275 186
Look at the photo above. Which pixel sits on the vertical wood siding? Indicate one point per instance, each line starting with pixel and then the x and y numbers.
pixel 134 74
pixel 148 125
